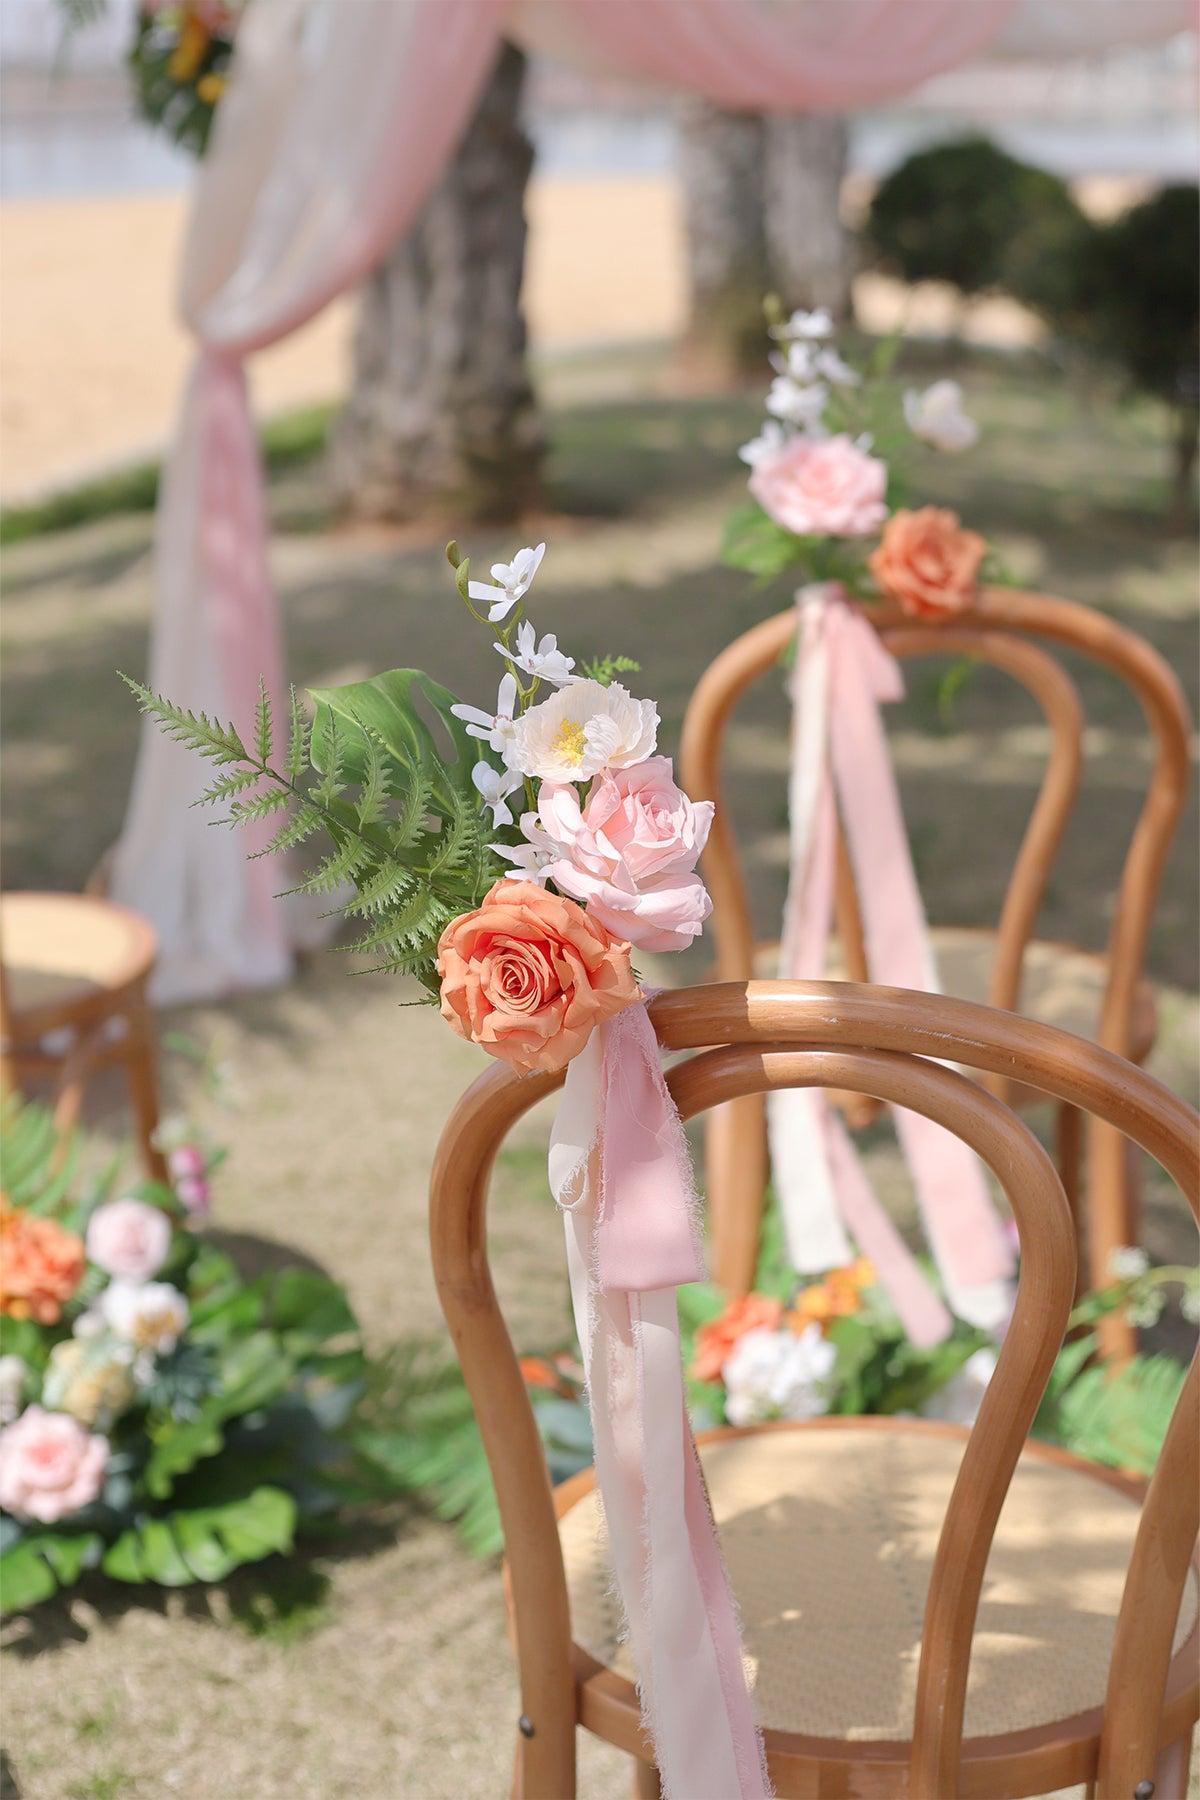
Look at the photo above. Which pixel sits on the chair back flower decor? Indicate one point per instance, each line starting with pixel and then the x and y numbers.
pixel 523 927
pixel 823 483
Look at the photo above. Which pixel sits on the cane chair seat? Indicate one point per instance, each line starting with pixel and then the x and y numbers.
pixel 829 1531
pixel 1061 985
pixel 67 956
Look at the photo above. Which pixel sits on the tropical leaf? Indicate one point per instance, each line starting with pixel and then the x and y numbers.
pixel 1120 1416
pixel 204 1543
pixel 384 710
pixel 41 1562
pixel 754 542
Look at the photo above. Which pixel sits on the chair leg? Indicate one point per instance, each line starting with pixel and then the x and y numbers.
pixel 646 1784
pixel 1111 1223
pixel 545 1771
pixel 735 1184
pixel 1172 1770
pixel 141 1067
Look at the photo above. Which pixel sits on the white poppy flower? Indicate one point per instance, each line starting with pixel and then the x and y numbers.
pixel 768 443
pixel 545 660
pixel 778 1375
pixel 937 417
pixel 582 729
pixel 798 360
pixel 496 729
pixel 531 860
pixel 495 785
pixel 513 582
pixel 816 324
pixel 150 1315
pixel 800 406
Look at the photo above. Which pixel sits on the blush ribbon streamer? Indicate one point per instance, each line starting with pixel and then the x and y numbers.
pixel 840 768
pixel 620 1171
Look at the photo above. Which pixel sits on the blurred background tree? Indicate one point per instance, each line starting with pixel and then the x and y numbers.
pixel 441 416
pixel 761 195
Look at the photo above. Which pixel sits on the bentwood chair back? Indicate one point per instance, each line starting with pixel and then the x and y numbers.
pixel 1104 997
pixel 874 1560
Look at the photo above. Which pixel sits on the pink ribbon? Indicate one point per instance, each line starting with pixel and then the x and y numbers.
pixel 841 767
pixel 619 1168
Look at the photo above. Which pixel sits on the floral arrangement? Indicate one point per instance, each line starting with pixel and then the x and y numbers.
pixel 179 60
pixel 824 479
pixel 162 1419
pixel 798 1351
pixel 522 927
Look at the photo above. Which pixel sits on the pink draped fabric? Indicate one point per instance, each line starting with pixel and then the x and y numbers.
pixel 336 123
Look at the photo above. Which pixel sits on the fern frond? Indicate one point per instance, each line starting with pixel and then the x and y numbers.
pixel 340 865
pixel 263 730
pixel 404 830
pixel 226 785
pixel 417 963
pixel 382 889
pixel 208 737
pixel 411 925
pixel 456 839
pixel 374 792
pixel 271 800
pixel 332 782
pixel 294 831
pixel 298 740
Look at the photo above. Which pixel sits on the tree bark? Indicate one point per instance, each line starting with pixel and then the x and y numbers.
pixel 808 248
pixel 721 168
pixel 762 213
pixel 441 418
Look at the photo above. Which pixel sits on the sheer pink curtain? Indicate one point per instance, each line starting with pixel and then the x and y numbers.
pixel 338 119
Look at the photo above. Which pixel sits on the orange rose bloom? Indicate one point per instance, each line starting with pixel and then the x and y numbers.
pixel 715 1341
pixel 41 1265
pixel 839 1295
pixel 927 563
pixel 528 976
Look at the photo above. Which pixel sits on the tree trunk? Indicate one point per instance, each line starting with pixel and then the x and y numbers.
pixel 441 418
pixel 808 248
pixel 721 168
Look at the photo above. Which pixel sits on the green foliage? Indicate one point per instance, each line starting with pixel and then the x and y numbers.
pixel 605 669
pixel 383 775
pixel 754 542
pixel 1120 1416
pixel 177 76
pixel 967 213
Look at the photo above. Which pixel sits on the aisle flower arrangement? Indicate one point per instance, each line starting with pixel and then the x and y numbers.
pixel 520 923
pixel 179 60
pixel 162 1419
pixel 826 478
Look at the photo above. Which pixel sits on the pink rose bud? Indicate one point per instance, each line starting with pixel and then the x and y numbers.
pixel 195 1195
pixel 186 1159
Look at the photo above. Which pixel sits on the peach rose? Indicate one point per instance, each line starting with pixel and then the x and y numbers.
pixel 822 487
pixel 41 1265
pixel 927 563
pixel 49 1466
pixel 715 1341
pixel 528 976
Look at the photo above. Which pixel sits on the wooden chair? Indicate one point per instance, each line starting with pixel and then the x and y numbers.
pixel 860 1617
pixel 1103 997
pixel 73 975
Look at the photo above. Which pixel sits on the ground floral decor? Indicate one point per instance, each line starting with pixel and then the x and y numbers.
pixel 162 1419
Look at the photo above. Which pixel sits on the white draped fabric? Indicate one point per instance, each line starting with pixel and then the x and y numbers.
pixel 336 123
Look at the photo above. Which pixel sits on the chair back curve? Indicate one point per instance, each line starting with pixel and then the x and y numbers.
pixel 1001 628
pixel 875 1041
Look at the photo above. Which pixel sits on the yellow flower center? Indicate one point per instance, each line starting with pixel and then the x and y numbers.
pixel 570 741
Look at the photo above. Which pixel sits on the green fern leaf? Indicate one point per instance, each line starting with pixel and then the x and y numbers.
pixel 342 864
pixel 263 733
pixel 382 889
pixel 333 757
pixel 225 785
pixel 295 830
pixel 411 925
pixel 373 793
pixel 208 737
pixel 271 800
pixel 406 827
pixel 298 739
pixel 456 839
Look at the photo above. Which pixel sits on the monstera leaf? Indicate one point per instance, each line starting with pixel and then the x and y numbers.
pixel 385 708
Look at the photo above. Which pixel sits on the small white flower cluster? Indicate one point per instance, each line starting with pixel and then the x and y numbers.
pixel 779 1374
pixel 809 370
pixel 626 849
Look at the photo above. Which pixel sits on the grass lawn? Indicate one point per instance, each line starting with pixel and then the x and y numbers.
pixel 382 1670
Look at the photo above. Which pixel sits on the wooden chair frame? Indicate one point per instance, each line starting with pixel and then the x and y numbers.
pixel 996 630
pixel 875 1040
pixel 23 1056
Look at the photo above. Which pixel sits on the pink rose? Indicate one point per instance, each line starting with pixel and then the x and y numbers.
pixel 49 1466
pixel 822 487
pixel 128 1239
pixel 186 1159
pixel 629 852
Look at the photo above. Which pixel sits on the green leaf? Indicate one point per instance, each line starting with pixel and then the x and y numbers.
pixel 204 1543
pixel 385 709
pixel 754 542
pixel 298 738
pixel 41 1562
pixel 271 800
pixel 208 737
pixel 263 734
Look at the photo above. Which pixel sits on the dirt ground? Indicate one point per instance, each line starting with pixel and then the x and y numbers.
pixel 383 1672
